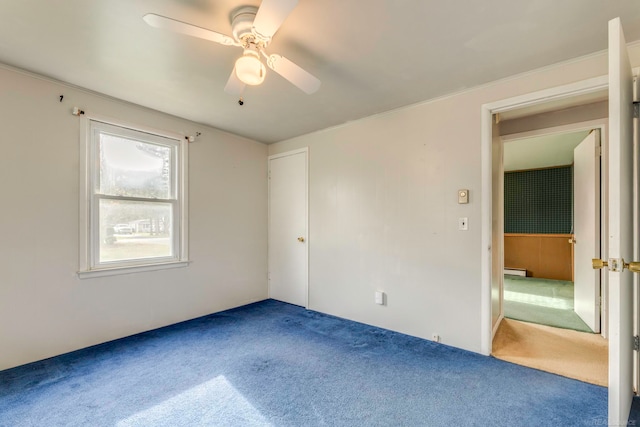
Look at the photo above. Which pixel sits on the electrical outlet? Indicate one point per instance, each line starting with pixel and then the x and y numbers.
pixel 435 338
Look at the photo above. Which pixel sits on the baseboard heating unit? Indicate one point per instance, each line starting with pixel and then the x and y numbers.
pixel 516 271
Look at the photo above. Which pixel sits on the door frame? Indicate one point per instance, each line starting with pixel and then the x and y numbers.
pixel 602 126
pixel 565 92
pixel 305 151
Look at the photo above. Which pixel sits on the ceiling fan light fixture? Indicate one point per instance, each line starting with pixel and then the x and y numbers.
pixel 249 69
pixel 252 28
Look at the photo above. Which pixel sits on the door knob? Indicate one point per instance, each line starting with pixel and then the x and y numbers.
pixel 300 239
pixel 598 264
pixel 616 264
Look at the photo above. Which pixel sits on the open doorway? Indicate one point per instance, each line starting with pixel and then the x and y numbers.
pixel 548 217
pixel 577 107
pixel 619 217
pixel 551 314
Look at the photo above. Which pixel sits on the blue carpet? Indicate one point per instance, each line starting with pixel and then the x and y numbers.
pixel 276 364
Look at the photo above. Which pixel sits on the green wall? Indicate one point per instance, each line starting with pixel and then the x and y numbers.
pixel 539 201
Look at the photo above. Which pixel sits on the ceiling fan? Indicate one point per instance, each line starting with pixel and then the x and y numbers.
pixel 252 30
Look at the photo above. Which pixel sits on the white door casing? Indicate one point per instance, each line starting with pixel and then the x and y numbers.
pixel 636 230
pixel 586 220
pixel 489 298
pixel 288 227
pixel 497 240
pixel 620 208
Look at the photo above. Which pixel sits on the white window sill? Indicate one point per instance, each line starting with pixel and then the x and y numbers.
pixel 88 274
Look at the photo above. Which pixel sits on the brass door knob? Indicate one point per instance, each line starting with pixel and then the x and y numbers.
pixel 598 264
pixel 633 267
pixel 616 265
pixel 301 239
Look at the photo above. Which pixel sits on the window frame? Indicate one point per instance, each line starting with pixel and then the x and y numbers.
pixel 90 197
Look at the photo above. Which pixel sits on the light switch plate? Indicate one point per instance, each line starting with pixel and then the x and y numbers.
pixel 463 224
pixel 463 196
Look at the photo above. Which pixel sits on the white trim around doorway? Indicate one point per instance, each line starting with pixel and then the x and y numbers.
pixel 487 111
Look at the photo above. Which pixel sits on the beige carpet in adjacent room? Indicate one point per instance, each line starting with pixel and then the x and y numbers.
pixel 572 354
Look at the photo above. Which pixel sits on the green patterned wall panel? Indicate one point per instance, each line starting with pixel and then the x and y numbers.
pixel 539 201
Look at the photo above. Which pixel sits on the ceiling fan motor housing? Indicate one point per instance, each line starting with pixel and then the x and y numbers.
pixel 242 25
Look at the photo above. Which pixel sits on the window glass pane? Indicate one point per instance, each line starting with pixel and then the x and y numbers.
pixel 133 168
pixel 134 230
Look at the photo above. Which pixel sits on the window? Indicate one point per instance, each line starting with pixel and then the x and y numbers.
pixel 134 213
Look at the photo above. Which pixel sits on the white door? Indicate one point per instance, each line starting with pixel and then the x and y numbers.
pixel 620 185
pixel 586 222
pixel 288 254
pixel 497 227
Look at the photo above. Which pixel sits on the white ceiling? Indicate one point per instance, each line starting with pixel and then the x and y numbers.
pixel 541 151
pixel 371 55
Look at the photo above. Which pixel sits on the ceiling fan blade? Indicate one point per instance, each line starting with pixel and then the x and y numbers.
pixel 271 15
pixel 292 72
pixel 165 23
pixel 234 85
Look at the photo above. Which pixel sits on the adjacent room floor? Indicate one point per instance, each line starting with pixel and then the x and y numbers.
pixel 543 301
pixel 541 330
pixel 565 352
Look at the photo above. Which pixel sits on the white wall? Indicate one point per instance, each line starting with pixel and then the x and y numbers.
pixel 384 211
pixel 45 309
pixel 383 215
pixel 593 111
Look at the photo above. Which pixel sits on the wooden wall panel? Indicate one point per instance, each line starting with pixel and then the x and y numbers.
pixel 547 256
